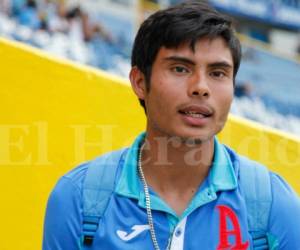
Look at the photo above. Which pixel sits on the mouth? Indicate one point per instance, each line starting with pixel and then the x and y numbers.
pixel 195 115
pixel 196 111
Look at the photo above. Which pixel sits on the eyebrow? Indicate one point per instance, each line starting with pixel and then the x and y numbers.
pixel 221 64
pixel 180 59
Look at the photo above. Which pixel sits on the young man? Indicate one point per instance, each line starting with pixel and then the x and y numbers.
pixel 176 187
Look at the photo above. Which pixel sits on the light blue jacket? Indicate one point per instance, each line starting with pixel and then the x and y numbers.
pixel 201 225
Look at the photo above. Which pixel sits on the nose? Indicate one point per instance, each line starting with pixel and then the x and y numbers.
pixel 198 87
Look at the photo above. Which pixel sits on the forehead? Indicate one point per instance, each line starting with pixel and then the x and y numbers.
pixel 204 50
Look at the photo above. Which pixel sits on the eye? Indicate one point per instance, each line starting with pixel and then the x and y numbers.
pixel 180 69
pixel 218 74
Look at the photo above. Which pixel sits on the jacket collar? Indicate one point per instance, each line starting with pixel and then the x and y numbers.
pixel 221 177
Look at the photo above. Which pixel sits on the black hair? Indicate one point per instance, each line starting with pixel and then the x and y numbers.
pixel 185 22
pixel 31 4
pixel 73 13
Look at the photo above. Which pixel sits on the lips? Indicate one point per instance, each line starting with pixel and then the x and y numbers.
pixel 199 111
pixel 195 115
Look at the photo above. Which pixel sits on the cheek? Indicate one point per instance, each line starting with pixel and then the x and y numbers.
pixel 163 92
pixel 228 100
pixel 155 100
pixel 224 99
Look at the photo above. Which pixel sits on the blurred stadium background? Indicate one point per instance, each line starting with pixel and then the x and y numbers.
pixel 100 34
pixel 49 104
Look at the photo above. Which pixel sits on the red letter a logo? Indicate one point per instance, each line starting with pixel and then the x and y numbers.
pixel 227 213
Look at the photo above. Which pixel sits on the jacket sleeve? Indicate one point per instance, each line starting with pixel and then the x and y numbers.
pixel 284 221
pixel 62 225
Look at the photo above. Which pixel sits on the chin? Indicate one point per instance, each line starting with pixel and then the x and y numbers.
pixel 179 136
pixel 194 139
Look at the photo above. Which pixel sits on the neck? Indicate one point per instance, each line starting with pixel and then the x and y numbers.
pixel 172 165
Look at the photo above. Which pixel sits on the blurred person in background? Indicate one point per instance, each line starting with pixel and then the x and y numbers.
pixel 16 6
pixel 53 14
pixel 87 38
pixel 244 89
pixel 29 15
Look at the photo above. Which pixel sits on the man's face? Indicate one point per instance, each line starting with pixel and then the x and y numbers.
pixel 190 91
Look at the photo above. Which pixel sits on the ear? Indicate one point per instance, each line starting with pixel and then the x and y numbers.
pixel 138 82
